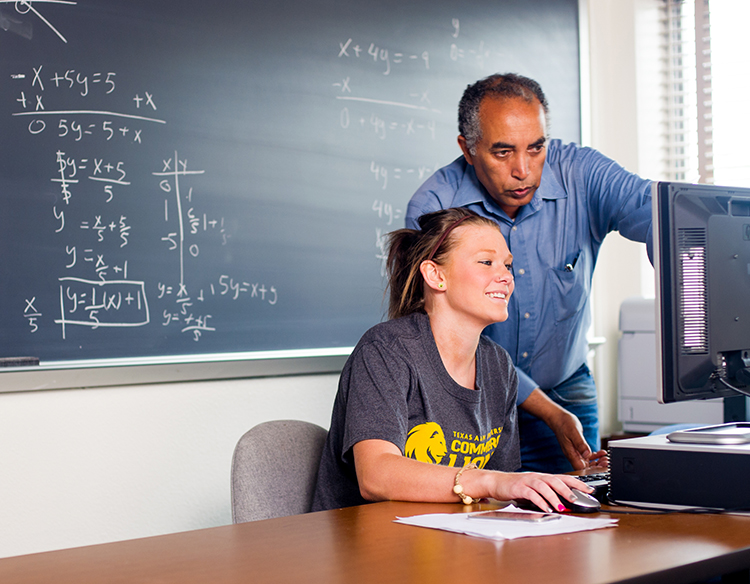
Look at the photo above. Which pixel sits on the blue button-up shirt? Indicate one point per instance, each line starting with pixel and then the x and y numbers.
pixel 555 239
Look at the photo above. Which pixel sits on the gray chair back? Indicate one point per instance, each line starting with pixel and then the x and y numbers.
pixel 274 469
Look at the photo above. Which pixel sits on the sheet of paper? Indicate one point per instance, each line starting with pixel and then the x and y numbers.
pixel 497 529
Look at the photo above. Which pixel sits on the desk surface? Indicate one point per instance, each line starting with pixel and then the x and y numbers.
pixel 362 544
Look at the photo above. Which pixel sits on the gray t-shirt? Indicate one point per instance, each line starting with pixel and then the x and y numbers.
pixel 394 387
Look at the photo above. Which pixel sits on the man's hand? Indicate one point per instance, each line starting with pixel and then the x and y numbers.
pixel 569 432
pixel 567 429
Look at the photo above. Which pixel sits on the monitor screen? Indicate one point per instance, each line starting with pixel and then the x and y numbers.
pixel 702 263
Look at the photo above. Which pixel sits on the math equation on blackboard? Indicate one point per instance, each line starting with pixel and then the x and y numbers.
pixel 94 220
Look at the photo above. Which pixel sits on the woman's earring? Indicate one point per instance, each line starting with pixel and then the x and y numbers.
pixel 441 285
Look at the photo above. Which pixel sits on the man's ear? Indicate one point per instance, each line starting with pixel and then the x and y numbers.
pixel 433 275
pixel 465 149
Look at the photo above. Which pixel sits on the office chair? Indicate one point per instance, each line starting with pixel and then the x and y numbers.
pixel 274 469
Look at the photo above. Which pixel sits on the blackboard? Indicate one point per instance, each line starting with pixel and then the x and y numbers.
pixel 182 179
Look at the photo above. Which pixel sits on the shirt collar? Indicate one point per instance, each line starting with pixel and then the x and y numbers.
pixel 471 191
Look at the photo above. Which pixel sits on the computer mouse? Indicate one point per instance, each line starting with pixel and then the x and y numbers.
pixel 584 503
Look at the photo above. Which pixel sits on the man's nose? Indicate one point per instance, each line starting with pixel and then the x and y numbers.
pixel 521 166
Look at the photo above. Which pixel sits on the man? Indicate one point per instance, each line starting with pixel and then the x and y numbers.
pixel 555 204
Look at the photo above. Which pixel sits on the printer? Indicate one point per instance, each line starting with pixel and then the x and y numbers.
pixel 638 408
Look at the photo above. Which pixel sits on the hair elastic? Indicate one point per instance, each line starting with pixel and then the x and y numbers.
pixel 450 228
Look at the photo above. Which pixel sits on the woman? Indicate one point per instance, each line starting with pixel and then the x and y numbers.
pixel 426 406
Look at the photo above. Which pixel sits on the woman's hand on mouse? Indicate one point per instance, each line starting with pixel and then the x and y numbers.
pixel 543 490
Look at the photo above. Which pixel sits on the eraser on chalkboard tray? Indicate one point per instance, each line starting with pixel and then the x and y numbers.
pixel 18 361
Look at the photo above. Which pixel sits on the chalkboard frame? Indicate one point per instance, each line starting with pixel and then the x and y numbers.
pixel 123 372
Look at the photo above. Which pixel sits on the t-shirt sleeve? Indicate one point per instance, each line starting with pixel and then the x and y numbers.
pixel 378 384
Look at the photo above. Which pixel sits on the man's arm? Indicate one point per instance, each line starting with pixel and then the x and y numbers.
pixel 618 199
pixel 567 429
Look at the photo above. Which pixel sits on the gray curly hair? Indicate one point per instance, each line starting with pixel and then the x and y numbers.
pixel 498 85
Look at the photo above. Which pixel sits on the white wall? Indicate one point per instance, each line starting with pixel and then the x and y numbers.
pixel 86 466
pixel 620 272
pixel 94 465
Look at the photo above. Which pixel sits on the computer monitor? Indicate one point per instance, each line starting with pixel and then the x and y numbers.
pixel 702 263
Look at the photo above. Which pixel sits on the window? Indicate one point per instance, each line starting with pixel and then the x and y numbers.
pixel 730 86
pixel 702 80
pixel 678 91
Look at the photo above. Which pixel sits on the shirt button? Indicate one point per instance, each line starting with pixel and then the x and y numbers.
pixel 525 354
pixel 514 228
pixel 521 271
pixel 526 315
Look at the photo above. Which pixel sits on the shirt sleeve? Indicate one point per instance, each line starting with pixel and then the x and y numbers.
pixel 525 386
pixel 618 200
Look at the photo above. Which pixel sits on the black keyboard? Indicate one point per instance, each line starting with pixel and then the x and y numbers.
pixel 600 483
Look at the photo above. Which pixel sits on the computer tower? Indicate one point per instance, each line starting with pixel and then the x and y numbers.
pixel 652 471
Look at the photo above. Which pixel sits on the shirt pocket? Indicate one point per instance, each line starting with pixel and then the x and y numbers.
pixel 570 287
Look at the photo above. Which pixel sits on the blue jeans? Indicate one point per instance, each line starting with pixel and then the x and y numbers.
pixel 540 450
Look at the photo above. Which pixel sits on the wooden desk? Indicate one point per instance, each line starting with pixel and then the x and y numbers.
pixel 363 545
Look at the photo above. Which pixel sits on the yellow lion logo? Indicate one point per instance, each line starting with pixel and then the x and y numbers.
pixel 426 443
